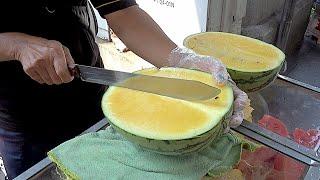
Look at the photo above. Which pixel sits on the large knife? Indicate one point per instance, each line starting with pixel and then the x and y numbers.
pixel 176 88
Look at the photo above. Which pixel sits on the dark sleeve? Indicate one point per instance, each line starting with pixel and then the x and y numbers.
pixel 109 6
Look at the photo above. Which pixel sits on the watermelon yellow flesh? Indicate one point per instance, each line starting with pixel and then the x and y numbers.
pixel 251 63
pixel 164 124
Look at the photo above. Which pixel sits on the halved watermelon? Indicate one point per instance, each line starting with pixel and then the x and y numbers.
pixel 166 125
pixel 251 63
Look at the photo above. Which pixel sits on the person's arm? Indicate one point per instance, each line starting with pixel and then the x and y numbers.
pixel 7 47
pixel 141 35
pixel 45 61
pixel 146 39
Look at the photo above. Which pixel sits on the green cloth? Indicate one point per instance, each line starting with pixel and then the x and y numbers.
pixel 107 155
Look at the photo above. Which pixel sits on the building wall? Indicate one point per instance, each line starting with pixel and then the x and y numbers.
pixel 260 10
pixel 299 25
pixel 263 18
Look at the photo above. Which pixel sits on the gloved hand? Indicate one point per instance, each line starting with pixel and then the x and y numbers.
pixel 186 58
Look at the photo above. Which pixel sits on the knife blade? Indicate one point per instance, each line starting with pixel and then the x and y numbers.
pixel 175 88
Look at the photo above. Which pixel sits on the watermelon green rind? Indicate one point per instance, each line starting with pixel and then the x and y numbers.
pixel 254 81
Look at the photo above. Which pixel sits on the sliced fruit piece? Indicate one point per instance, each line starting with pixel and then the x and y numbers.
pixel 273 124
pixel 306 138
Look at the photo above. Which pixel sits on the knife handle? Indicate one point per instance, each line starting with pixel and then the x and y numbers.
pixel 74 71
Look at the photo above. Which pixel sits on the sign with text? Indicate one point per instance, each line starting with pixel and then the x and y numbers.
pixel 177 18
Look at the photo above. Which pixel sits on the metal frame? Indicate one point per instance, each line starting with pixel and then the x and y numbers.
pixel 313 171
pixel 40 166
pixel 299 83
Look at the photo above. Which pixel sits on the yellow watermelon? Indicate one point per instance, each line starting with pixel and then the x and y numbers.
pixel 251 63
pixel 167 125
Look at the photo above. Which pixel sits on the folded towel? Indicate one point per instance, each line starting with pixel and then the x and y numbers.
pixel 107 155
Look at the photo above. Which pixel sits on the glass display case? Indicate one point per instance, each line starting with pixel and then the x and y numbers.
pixel 287 108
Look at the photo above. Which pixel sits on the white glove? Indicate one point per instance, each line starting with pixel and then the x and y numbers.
pixel 186 58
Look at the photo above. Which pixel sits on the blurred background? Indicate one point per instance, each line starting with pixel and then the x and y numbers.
pixel 291 25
